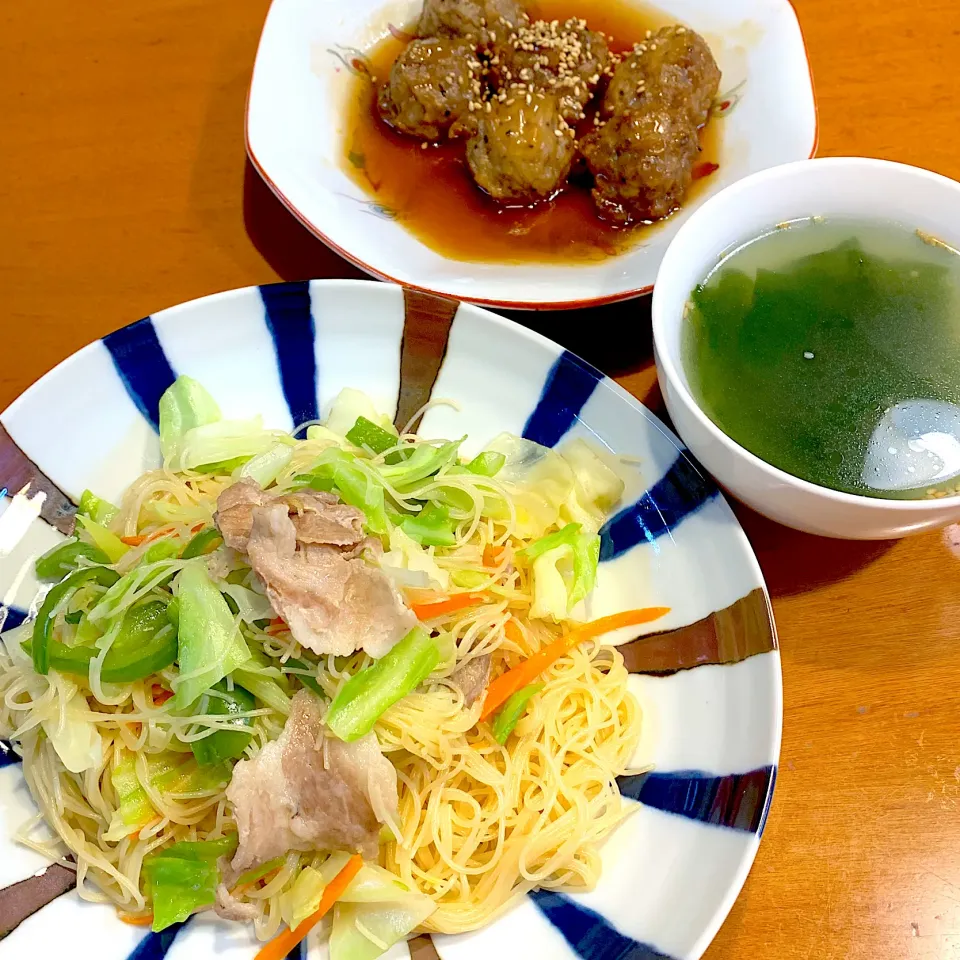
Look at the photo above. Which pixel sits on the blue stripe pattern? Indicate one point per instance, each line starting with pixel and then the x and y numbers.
pixel 291 325
pixel 592 936
pixel 739 801
pixel 7 757
pixel 681 491
pixel 569 385
pixel 154 946
pixel 142 365
pixel 15 616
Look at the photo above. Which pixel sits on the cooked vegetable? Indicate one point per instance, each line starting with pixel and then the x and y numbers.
pixel 525 673
pixel 365 696
pixel 596 488
pixel 224 744
pixel 73 734
pixel 338 470
pixel 135 810
pixel 206 541
pixel 440 608
pixel 306 674
pixel 43 627
pixel 210 644
pixel 267 466
pixel 366 434
pixel 487 464
pixel 98 510
pixel 108 542
pixel 183 878
pixel 55 564
pixel 579 553
pixel 432 526
pixel 425 461
pixel 280 947
pixel 165 549
pixel 512 711
pixel 184 406
pixel 538 481
pixel 146 643
pixel 348 406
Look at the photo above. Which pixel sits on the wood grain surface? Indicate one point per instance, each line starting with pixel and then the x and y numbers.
pixel 124 189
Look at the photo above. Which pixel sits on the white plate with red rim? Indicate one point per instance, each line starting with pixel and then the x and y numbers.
pixel 295 128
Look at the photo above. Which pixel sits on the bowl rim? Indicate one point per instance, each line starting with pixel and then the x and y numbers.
pixel 670 369
pixel 534 305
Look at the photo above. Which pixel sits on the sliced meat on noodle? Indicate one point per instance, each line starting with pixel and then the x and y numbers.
pixel 322 518
pixel 318 517
pixel 472 678
pixel 234 515
pixel 310 791
pixel 331 604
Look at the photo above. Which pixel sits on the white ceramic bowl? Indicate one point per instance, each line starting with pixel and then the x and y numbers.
pixel 709 682
pixel 295 129
pixel 842 186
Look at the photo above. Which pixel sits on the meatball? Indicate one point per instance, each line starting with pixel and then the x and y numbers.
pixel 641 162
pixel 430 87
pixel 674 65
pixel 482 19
pixel 566 59
pixel 522 150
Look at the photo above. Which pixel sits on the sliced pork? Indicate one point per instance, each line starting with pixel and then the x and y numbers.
pixel 310 791
pixel 472 678
pixel 234 515
pixel 331 604
pixel 307 548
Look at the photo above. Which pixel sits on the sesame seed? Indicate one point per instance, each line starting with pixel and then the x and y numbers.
pixel 423 146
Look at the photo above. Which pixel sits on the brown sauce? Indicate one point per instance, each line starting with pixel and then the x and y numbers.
pixel 433 195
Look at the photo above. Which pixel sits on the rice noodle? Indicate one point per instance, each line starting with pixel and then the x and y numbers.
pixel 479 825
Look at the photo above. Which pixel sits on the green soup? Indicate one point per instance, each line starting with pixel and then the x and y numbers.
pixel 831 349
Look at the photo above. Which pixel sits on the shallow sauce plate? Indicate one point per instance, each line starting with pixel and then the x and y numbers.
pixel 297 117
pixel 709 684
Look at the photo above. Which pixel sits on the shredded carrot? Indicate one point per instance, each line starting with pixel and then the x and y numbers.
pixel 142 921
pixel 139 539
pixel 507 684
pixel 492 556
pixel 279 947
pixel 440 608
pixel 513 632
pixel 197 527
pixel 160 694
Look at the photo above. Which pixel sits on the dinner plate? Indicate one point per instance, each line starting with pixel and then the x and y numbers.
pixel 708 678
pixel 310 51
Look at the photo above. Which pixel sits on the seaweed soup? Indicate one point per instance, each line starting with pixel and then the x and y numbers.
pixel 830 348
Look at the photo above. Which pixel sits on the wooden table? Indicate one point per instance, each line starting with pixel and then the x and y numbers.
pixel 124 188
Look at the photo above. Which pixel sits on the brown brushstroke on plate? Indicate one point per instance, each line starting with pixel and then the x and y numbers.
pixel 744 629
pixel 17 470
pixel 422 948
pixel 24 899
pixel 426 330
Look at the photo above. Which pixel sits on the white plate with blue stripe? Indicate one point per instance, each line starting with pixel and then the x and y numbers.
pixel 709 681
